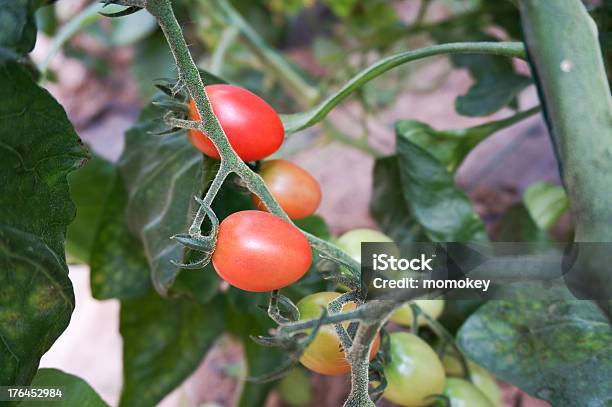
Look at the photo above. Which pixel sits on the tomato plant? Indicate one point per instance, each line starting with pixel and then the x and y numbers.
pixel 324 354
pixel 295 190
pixel 415 374
pixel 163 219
pixel 258 251
pixel 252 126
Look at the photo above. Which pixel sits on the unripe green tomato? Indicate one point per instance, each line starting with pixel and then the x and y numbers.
pixel 351 241
pixel 324 355
pixel 403 315
pixel 414 373
pixel 480 377
pixel 295 389
pixel 462 393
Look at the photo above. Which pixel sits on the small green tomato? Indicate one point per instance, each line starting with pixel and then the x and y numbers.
pixel 351 241
pixel 480 377
pixel 462 393
pixel 403 315
pixel 415 374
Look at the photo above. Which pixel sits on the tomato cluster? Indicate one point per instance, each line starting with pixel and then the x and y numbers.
pixel 258 251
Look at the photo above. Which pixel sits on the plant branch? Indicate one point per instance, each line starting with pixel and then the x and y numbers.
pixel 84 18
pixel 299 121
pixel 227 38
pixel 358 355
pixel 287 74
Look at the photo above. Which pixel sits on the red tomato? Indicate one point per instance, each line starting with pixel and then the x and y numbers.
pixel 257 251
pixel 324 354
pixel 252 126
pixel 295 190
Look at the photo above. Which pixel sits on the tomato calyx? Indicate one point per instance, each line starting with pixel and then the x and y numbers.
pixel 325 354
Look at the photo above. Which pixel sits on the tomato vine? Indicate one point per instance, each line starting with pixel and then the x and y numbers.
pixel 371 316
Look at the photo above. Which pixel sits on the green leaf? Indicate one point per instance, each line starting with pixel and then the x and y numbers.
pixel 494 89
pixel 496 84
pixel 75 391
pixel 389 206
pixel 39 149
pixel 451 147
pixel 197 285
pixel 446 149
pixel 36 301
pixel 557 351
pixel 18 24
pixel 162 175
pixel 89 188
pixel 119 268
pixel 164 341
pixel 545 203
pixel 299 121
pixel 572 84
pixel 202 285
pixel 429 193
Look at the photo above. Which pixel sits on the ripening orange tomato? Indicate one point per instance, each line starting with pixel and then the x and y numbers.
pixel 324 354
pixel 295 190
pixel 257 251
pixel 252 126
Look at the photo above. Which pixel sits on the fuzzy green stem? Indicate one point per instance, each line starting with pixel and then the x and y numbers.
pixel 299 121
pixel 358 355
